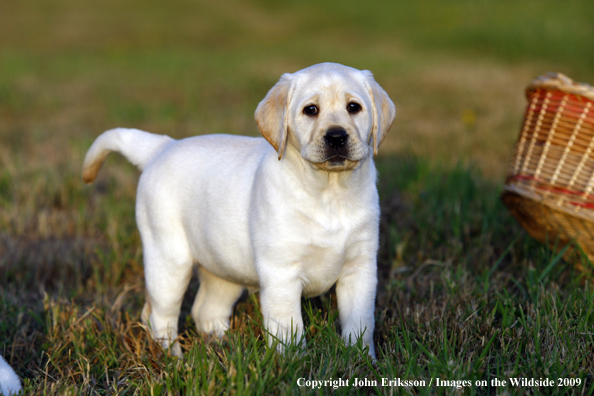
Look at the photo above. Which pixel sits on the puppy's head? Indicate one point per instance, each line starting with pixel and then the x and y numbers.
pixel 334 115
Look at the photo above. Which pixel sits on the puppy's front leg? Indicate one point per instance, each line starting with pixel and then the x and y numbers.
pixel 355 291
pixel 280 297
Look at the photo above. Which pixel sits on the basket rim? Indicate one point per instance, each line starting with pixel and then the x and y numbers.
pixel 559 81
pixel 540 199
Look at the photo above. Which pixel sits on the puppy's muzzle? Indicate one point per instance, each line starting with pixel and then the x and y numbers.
pixel 337 149
pixel 336 137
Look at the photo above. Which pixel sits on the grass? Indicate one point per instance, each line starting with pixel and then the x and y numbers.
pixel 464 293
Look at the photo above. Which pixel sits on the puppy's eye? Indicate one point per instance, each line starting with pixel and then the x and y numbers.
pixel 310 110
pixel 353 108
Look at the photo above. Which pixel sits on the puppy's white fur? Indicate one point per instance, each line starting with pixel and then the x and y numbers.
pixel 10 384
pixel 290 217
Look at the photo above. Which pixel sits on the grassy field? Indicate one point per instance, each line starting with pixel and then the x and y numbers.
pixel 464 294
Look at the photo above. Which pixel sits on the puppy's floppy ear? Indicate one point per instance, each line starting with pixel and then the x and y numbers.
pixel 273 112
pixel 383 111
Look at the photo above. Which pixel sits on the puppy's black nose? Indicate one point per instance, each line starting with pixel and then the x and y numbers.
pixel 336 137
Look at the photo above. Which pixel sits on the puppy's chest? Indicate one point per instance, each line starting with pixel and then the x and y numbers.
pixel 320 268
pixel 323 251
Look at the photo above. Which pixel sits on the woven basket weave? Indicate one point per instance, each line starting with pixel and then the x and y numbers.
pixel 550 182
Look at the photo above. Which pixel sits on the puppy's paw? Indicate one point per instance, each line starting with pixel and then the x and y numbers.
pixel 175 350
pixel 354 336
pixel 145 315
pixel 216 326
pixel 171 347
pixel 286 337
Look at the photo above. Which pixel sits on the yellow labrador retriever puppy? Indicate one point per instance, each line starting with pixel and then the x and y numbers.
pixel 289 215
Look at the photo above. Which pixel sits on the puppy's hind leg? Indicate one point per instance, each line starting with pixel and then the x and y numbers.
pixel 167 277
pixel 214 303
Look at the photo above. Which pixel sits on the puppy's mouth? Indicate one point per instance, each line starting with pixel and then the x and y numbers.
pixel 337 155
pixel 337 160
pixel 336 163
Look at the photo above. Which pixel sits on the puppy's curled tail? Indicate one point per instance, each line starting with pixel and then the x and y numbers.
pixel 137 146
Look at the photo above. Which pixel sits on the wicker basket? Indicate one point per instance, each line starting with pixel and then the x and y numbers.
pixel 550 183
